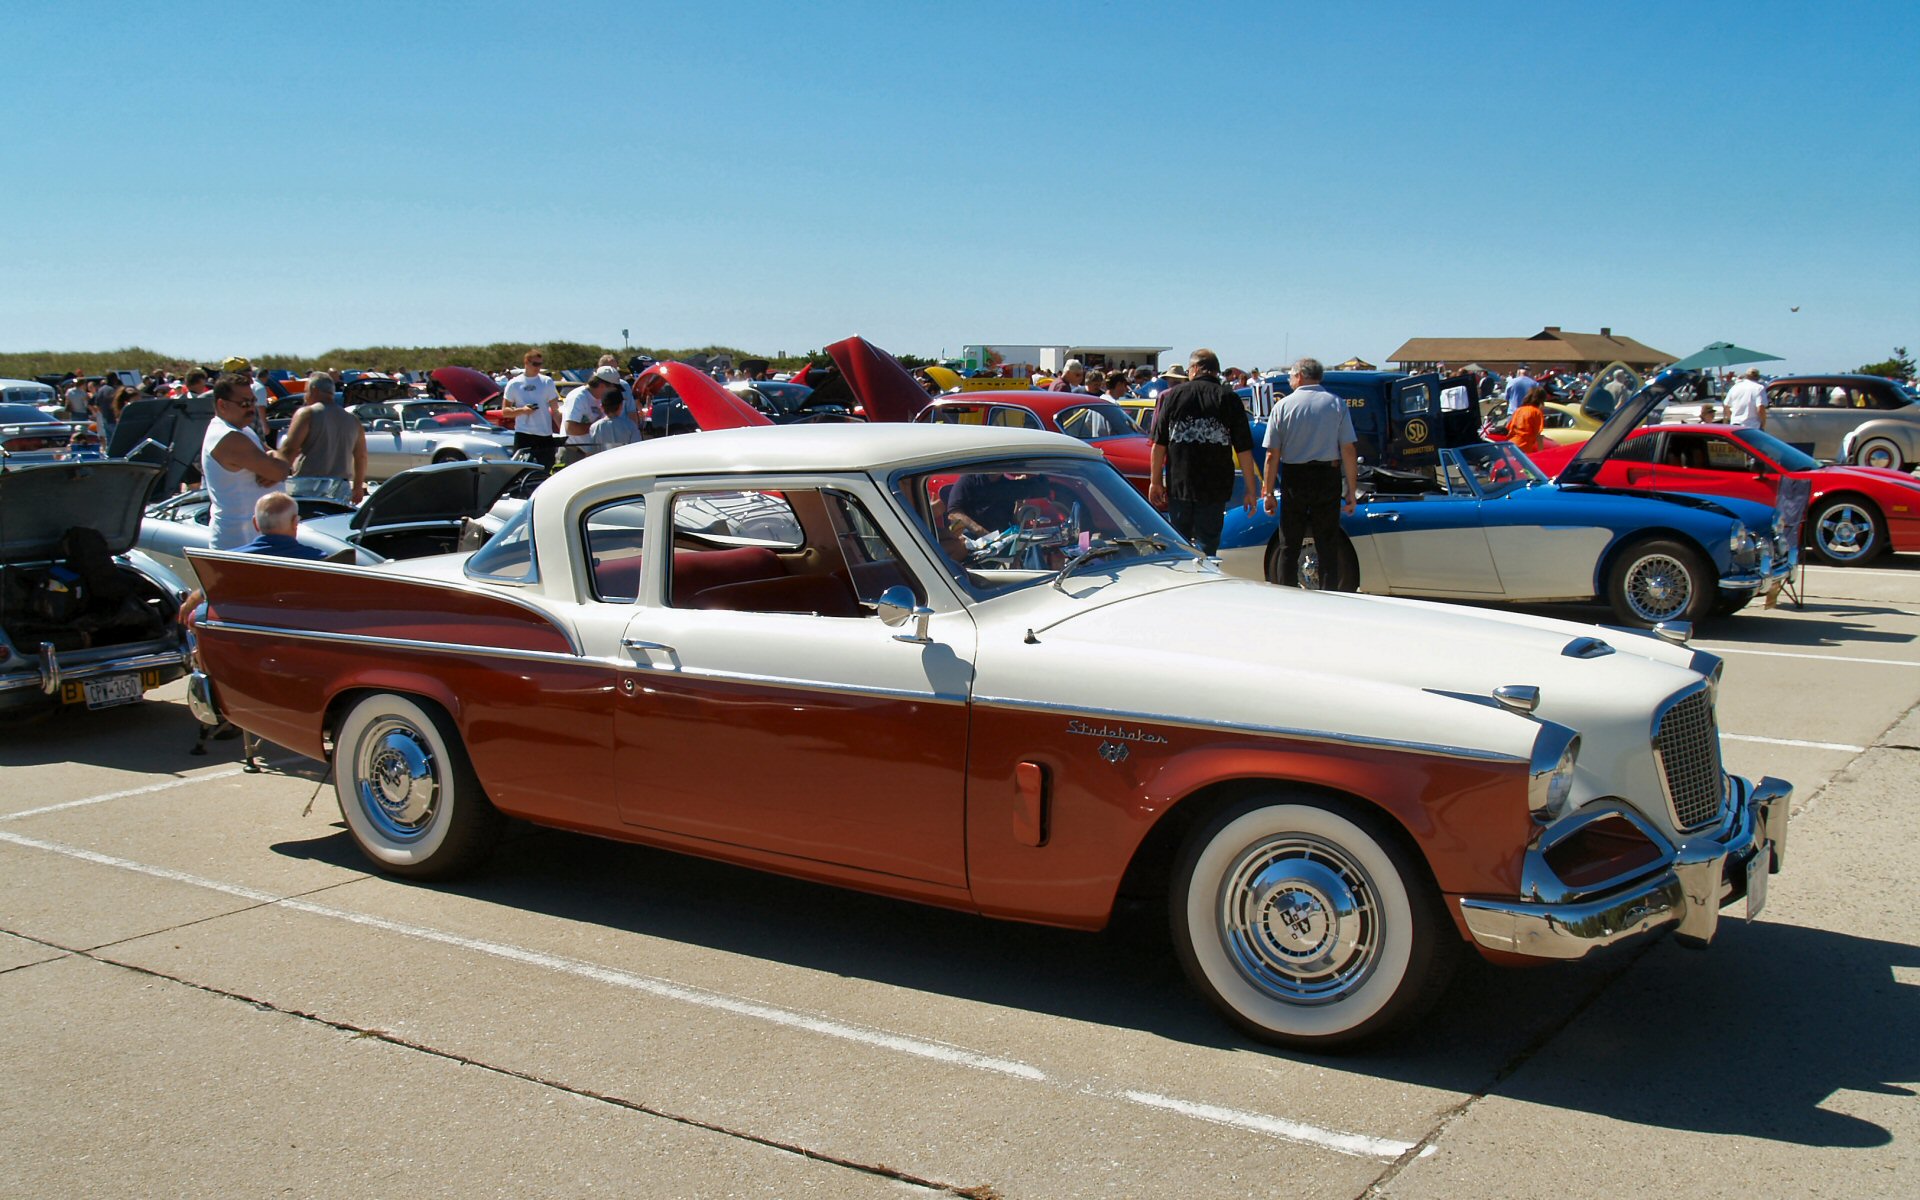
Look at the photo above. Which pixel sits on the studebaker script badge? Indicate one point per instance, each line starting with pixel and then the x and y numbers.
pixel 1114 738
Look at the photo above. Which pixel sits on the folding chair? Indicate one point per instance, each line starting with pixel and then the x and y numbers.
pixel 1791 516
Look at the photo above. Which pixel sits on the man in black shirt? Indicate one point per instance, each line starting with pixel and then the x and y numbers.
pixel 1201 432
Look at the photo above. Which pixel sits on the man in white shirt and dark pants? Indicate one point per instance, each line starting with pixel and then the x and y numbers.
pixel 1747 402
pixel 533 403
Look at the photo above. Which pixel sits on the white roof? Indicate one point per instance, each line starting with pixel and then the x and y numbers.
pixel 32 383
pixel 839 446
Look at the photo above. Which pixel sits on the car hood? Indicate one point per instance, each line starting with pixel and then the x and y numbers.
pixel 1391 672
pixel 710 405
pixel 440 492
pixel 38 504
pixel 467 385
pixel 880 385
pixel 1632 413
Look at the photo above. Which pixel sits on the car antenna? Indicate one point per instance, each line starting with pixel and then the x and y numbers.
pixel 1030 639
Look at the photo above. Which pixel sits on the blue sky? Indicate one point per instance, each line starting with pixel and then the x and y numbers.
pixel 1267 179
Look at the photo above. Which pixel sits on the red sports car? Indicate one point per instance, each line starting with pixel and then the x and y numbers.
pixel 1854 514
pixel 1093 419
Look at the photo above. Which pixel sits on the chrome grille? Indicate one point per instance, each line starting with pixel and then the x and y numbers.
pixel 1689 750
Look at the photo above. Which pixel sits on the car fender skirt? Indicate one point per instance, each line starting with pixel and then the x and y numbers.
pixel 1113 781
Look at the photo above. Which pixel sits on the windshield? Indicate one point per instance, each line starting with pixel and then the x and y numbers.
pixel 1786 456
pixel 1014 523
pixel 445 412
pixel 1495 468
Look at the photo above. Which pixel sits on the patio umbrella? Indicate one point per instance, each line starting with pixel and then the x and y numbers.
pixel 1722 354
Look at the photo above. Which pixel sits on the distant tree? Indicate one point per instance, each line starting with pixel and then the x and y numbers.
pixel 1900 366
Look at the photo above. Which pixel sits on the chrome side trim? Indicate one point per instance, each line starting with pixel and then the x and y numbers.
pixel 379 572
pixel 1276 731
pixel 369 639
pixel 550 656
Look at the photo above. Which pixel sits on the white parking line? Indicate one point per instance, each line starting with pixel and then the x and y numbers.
pixel 1338 1141
pixel 139 791
pixel 1772 741
pixel 1880 662
pixel 1913 575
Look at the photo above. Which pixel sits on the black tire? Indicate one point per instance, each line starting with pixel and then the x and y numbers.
pixel 1659 579
pixel 407 790
pixel 1846 531
pixel 1359 945
pixel 446 456
pixel 1309 565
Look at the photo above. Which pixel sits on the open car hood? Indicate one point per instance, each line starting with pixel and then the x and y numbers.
pixel 38 504
pixel 876 381
pixel 467 385
pixel 440 492
pixel 1633 412
pixel 710 405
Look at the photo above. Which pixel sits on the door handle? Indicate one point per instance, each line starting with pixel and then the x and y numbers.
pixel 1383 516
pixel 643 646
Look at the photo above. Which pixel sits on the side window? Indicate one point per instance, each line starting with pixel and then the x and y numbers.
pixel 1019 418
pixel 1882 398
pixel 760 552
pixel 1638 450
pixel 1724 455
pixel 1412 401
pixel 508 557
pixel 615 537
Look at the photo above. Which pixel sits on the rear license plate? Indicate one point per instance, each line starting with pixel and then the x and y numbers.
pixel 1759 870
pixel 105 693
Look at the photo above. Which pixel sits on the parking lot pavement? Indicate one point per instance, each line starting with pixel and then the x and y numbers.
pixel 204 990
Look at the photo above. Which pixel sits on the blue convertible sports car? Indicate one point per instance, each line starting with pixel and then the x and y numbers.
pixel 1486 525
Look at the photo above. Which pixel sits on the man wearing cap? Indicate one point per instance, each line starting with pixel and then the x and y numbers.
pixel 1073 377
pixel 583 409
pixel 1747 402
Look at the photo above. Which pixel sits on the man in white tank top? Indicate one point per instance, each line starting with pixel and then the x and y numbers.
pixel 237 466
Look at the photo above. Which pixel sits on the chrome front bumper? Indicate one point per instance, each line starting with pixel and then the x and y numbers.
pixel 1771 571
pixel 1700 876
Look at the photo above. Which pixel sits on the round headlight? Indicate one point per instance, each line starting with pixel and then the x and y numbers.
pixel 1550 777
pixel 1560 783
pixel 1742 541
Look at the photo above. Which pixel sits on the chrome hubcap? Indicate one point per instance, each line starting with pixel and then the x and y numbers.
pixel 1658 587
pixel 1310 567
pixel 397 778
pixel 1879 456
pixel 1301 920
pixel 1845 532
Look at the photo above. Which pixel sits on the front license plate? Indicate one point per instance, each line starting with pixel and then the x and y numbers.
pixel 114 689
pixel 1759 870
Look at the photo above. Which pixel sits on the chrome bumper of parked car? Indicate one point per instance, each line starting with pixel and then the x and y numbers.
pixel 48 672
pixel 1699 876
pixel 1769 572
pixel 200 700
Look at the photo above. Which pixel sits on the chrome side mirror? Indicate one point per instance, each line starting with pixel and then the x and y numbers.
pixel 896 605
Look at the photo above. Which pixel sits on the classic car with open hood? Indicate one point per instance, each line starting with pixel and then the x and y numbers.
pixel 1486 525
pixel 1335 796
pixel 84 618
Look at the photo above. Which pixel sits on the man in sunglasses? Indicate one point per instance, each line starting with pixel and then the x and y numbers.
pixel 236 464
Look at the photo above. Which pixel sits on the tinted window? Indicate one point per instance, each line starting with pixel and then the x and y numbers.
pixel 1638 449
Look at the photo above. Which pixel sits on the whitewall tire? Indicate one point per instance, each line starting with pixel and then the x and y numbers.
pixel 407 790
pixel 1307 923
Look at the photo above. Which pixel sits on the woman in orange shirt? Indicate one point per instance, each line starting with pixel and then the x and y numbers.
pixel 1529 421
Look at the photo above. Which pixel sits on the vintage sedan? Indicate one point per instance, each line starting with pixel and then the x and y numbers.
pixel 1861 419
pixel 85 619
pixel 412 433
pixel 1488 526
pixel 819 677
pixel 1853 514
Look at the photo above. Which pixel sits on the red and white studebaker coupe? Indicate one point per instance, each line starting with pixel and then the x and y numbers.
pixel 774 647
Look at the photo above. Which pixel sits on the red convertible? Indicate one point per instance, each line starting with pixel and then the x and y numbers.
pixel 1855 513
